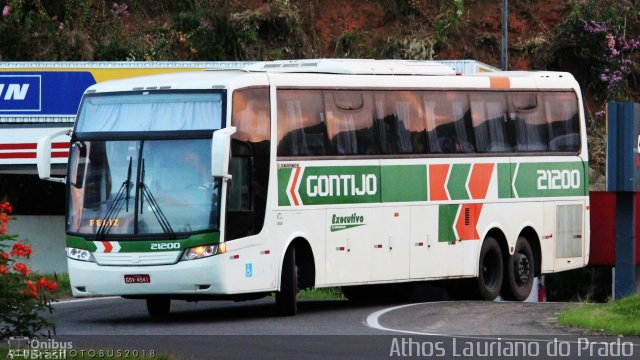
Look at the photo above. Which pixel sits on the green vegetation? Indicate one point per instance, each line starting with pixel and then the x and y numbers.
pixel 620 317
pixel 448 20
pixel 352 45
pixel 24 298
pixel 332 293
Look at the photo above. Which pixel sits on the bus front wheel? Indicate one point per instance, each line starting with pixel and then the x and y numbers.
pixel 158 306
pixel 287 297
pixel 490 274
pixel 518 279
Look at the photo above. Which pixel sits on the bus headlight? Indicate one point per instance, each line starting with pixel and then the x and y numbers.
pixel 204 251
pixel 80 254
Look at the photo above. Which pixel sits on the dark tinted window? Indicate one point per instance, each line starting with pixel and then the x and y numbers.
pixel 530 125
pixel 350 123
pixel 301 126
pixel 489 113
pixel 317 122
pixel 400 122
pixel 448 121
pixel 562 118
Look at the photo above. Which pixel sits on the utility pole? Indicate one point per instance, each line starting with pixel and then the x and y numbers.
pixel 505 23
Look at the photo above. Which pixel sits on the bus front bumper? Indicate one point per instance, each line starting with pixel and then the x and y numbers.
pixel 193 277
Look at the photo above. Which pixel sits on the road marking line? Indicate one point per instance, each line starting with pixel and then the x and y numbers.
pixel 373 320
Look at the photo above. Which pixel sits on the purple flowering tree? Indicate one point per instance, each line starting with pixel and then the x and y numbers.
pixel 599 38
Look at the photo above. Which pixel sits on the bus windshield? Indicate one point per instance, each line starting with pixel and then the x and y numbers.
pixel 150 112
pixel 161 188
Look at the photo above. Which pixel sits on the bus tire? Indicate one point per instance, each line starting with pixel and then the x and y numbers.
pixel 158 306
pixel 287 297
pixel 491 270
pixel 520 271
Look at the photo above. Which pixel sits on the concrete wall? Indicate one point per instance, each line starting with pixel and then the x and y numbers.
pixel 45 234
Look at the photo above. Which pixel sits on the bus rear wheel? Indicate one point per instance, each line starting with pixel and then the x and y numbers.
pixel 287 297
pixel 158 306
pixel 520 272
pixel 490 274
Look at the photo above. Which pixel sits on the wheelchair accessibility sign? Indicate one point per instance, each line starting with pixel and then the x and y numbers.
pixel 248 270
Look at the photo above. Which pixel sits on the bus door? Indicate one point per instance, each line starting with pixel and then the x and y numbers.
pixel 247 191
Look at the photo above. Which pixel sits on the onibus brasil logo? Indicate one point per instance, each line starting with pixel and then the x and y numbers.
pixel 346 222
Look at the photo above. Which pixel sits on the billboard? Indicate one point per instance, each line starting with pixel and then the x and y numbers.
pixel 38 98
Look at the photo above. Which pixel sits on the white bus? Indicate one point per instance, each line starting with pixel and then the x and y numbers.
pixel 368 175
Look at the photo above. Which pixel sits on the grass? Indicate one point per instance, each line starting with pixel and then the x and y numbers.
pixel 332 293
pixel 621 317
pixel 87 355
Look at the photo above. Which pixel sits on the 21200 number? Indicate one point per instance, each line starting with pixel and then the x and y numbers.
pixel 165 246
pixel 558 179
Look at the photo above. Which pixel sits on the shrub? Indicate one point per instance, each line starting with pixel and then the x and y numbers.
pixel 448 19
pixel 23 298
pixel 223 31
pixel 596 38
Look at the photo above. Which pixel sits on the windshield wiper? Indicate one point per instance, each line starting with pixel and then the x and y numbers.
pixel 116 206
pixel 157 211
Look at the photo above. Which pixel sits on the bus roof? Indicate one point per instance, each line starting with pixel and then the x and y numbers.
pixel 354 67
pixel 342 73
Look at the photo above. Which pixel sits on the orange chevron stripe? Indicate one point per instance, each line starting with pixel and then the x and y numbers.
pixel 107 246
pixel 437 181
pixel 292 191
pixel 467 221
pixel 479 180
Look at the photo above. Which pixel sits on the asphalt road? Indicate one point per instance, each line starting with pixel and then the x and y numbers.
pixel 328 329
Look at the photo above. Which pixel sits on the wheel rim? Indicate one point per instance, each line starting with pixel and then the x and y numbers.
pixel 522 268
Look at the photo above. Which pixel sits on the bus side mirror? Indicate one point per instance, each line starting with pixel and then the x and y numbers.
pixel 43 152
pixel 220 152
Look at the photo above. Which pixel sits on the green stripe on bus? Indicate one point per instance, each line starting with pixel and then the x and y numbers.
pixel 549 179
pixel 80 243
pixel 457 184
pixel 340 185
pixel 504 181
pixel 326 185
pixel 404 183
pixel 145 246
pixel 283 180
pixel 446 218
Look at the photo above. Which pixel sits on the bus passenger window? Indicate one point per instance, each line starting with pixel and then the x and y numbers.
pixel 448 120
pixel 530 126
pixel 350 123
pixel 301 127
pixel 562 118
pixel 489 115
pixel 400 122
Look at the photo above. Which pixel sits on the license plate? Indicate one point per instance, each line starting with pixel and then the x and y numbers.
pixel 137 279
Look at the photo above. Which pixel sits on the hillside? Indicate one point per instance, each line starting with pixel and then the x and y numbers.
pixel 594 40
